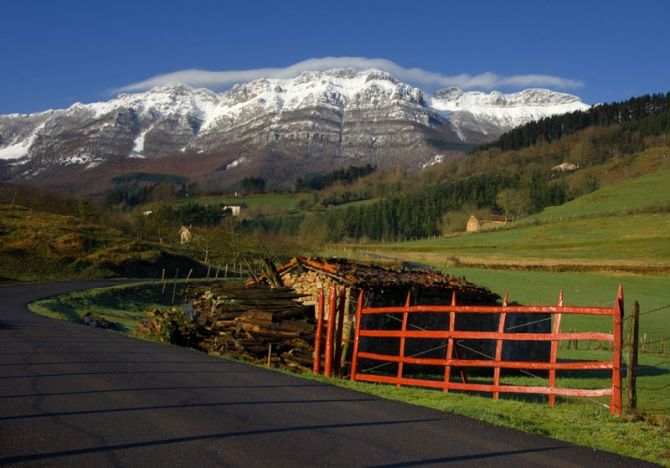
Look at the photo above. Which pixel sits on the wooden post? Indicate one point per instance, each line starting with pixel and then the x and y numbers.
pixel 163 281
pixel 556 329
pixel 225 273
pixel 348 328
pixel 499 347
pixel 318 335
pixel 357 335
pixel 450 344
pixel 617 319
pixel 340 332
pixel 631 369
pixel 401 353
pixel 330 330
pixel 174 287
pixel 269 354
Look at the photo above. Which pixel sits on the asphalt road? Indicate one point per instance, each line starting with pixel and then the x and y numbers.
pixel 71 395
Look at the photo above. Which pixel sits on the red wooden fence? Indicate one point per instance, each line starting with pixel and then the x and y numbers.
pixel 452 359
pixel 334 339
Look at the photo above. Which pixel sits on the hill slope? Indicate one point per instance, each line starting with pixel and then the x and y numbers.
pixel 36 245
pixel 640 193
pixel 625 226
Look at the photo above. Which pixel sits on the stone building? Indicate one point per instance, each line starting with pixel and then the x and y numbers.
pixel 486 223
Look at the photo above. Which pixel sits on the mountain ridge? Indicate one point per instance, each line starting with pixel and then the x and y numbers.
pixel 337 117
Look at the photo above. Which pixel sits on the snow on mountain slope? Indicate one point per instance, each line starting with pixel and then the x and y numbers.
pixel 495 112
pixel 342 113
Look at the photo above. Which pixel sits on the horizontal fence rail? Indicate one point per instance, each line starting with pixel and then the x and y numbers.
pixel 452 359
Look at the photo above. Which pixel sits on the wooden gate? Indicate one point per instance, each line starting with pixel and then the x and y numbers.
pixel 452 360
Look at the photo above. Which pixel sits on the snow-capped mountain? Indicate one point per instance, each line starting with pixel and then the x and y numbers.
pixel 336 117
pixel 482 116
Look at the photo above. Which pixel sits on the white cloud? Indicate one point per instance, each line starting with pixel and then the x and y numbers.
pixel 416 76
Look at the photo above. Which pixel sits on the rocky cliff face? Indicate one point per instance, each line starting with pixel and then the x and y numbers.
pixel 335 117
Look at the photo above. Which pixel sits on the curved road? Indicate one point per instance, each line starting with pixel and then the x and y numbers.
pixel 76 396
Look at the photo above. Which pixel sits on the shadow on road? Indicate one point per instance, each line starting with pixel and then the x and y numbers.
pixel 196 438
pixel 478 456
pixel 159 389
pixel 188 406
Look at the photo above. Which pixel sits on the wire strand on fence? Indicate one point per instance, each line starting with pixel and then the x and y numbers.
pixel 523 371
pixel 653 388
pixel 458 343
pixel 667 306
pixel 528 323
pixel 412 355
pixel 657 364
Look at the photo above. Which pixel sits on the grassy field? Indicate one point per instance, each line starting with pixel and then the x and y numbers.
pixel 581 288
pixel 634 241
pixel 634 194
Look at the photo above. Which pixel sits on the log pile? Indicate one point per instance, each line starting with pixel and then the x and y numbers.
pixel 255 324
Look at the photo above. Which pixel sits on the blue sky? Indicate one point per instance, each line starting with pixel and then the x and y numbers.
pixel 53 54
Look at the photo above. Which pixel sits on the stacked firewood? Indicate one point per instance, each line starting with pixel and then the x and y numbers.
pixel 384 285
pixel 255 324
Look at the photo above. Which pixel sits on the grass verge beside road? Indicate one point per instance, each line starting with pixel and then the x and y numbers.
pixel 124 305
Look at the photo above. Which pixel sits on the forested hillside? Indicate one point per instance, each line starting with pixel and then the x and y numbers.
pixel 540 164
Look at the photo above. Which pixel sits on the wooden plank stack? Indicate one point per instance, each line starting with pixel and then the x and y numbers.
pixel 255 324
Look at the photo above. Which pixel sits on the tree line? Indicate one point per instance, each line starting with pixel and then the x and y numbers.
pixel 321 181
pixel 419 213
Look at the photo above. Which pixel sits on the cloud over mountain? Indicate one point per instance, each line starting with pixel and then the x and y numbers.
pixel 416 76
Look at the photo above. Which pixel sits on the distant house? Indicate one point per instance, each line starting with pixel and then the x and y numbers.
pixel 486 223
pixel 185 235
pixel 565 167
pixel 235 210
pixel 473 224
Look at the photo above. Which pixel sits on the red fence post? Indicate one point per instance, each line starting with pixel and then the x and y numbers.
pixel 499 346
pixel 340 330
pixel 555 330
pixel 357 334
pixel 401 353
pixel 318 336
pixel 330 329
pixel 450 344
pixel 617 318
